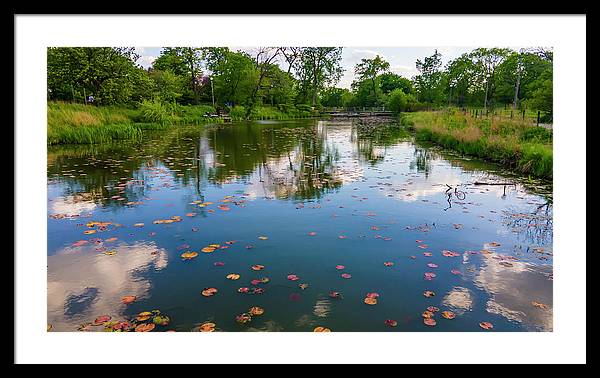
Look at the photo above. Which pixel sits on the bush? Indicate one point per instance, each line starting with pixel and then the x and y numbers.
pixel 155 111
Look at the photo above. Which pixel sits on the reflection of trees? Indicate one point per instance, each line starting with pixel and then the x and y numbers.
pixel 291 162
pixel 535 227
pixel 373 136
pixel 422 162
pixel 94 172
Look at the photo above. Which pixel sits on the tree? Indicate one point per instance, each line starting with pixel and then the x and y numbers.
pixel 488 60
pixel 461 79
pixel 427 82
pixel 109 74
pixel 264 58
pixel 185 62
pixel 389 81
pixel 233 75
pixel 317 68
pixel 369 69
pixel 169 86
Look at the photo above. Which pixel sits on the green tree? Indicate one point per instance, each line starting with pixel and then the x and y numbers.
pixel 169 86
pixel 487 61
pixel 185 62
pixel 390 81
pixel 317 68
pixel 428 82
pixel 109 74
pixel 368 70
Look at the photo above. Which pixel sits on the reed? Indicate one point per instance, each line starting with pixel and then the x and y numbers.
pixel 514 143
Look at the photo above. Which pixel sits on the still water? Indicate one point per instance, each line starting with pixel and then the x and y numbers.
pixel 324 224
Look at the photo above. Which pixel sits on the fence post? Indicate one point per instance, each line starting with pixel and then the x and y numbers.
pixel 538 118
pixel 511 114
pixel 476 111
pixel 523 114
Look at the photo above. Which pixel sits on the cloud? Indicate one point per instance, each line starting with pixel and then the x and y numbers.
pixel 146 60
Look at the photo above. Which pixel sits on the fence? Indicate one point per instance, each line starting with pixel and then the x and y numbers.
pixel 535 117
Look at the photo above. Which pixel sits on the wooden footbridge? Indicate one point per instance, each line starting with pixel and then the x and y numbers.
pixel 357 112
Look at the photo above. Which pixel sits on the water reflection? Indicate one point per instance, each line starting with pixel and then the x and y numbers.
pixel 84 283
pixel 354 168
pixel 514 289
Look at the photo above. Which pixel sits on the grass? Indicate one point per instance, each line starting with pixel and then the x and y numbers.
pixel 85 124
pixel 516 144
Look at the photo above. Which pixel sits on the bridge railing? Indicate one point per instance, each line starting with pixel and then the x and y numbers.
pixel 356 109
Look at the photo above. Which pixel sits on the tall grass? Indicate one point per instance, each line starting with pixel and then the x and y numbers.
pixel 85 124
pixel 519 145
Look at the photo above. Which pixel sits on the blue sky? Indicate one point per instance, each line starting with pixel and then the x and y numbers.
pixel 402 59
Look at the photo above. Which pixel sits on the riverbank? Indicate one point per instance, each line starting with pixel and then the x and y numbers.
pixel 86 124
pixel 520 146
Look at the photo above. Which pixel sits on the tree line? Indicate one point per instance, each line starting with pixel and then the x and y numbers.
pixel 286 77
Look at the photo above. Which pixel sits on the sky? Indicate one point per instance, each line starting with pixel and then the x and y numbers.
pixel 402 59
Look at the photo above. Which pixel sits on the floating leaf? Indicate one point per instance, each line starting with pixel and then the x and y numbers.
pixel 312 233
pixel 243 318
pixel 255 311
pixel 233 276
pixel 370 301
pixel 486 325
pixel 340 267
pixel 448 314
pixel 161 320
pixel 449 253
pixel 263 237
pixel 388 263
pixel 335 294
pixel 429 322
pixel 433 309
pixel 390 322
pixel 428 293
pixel 189 255
pixel 101 319
pixel 206 327
pixel 143 316
pixel 128 299
pixel 218 263
pixel 293 277
pixel 209 292
pixel 145 327
pixel 138 225
pixel 258 267
pixel 208 249
pixel 303 286
pixel 243 290
pixel 321 329
pixel 539 305
pixel 346 275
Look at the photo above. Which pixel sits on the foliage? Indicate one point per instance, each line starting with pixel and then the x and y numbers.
pixel 509 142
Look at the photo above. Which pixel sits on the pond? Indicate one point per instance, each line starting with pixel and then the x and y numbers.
pixel 316 223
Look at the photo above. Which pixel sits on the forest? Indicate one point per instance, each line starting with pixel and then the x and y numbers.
pixel 275 82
